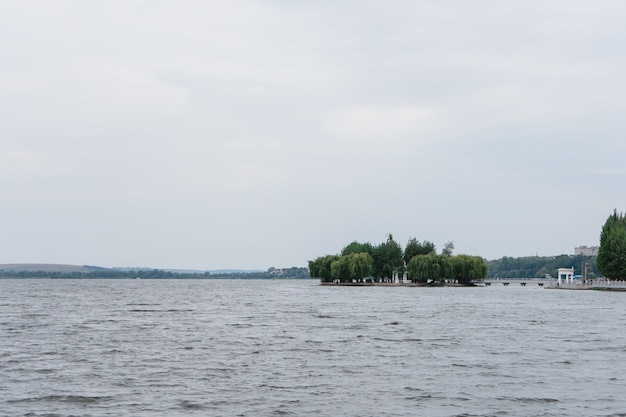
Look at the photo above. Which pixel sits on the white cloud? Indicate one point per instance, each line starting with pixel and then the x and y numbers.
pixel 14 159
pixel 13 84
pixel 115 86
pixel 388 123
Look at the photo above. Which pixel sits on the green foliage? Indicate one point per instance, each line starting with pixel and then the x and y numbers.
pixel 360 265
pixel 464 269
pixel 342 268
pixel 420 260
pixel 321 267
pixel 538 266
pixel 387 258
pixel 352 267
pixel 428 268
pixel 414 247
pixel 418 268
pixel 357 247
pixel 359 260
pixel 612 253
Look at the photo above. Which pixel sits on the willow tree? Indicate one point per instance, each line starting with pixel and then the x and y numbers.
pixel 466 269
pixel 348 268
pixel 321 267
pixel 612 252
pixel 431 267
pixel 359 265
pixel 340 269
pixel 352 267
pixel 418 269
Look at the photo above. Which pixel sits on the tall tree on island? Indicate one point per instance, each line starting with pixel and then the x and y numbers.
pixel 448 249
pixel 388 258
pixel 357 247
pixel 612 252
pixel 414 248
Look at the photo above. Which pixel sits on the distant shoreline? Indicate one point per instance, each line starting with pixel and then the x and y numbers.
pixel 56 271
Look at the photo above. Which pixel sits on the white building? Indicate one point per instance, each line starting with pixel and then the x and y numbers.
pixel 565 275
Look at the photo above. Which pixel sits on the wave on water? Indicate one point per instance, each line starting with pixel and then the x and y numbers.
pixel 528 399
pixel 80 399
pixel 195 348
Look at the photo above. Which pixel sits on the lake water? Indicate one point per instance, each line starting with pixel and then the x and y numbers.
pixel 295 348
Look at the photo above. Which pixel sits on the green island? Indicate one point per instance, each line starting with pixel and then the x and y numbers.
pixel 419 264
pixel 387 263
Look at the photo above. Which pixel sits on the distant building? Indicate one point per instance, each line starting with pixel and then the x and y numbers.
pixel 276 271
pixel 586 250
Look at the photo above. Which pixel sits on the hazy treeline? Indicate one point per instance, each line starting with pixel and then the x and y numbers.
pixel 286 273
pixel 539 266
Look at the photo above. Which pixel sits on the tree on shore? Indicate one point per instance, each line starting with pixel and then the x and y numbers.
pixel 342 268
pixel 612 252
pixel 465 268
pixel 321 267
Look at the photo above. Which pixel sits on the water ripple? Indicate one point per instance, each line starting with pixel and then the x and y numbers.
pixel 251 348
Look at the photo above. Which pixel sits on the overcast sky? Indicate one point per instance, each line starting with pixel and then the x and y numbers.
pixel 249 134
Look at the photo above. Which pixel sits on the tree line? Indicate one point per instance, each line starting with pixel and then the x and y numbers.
pixel 540 266
pixel 359 262
pixel 103 273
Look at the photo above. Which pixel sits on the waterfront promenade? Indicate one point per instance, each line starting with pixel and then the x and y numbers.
pixel 552 283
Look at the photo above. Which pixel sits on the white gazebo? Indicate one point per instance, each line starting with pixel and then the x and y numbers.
pixel 565 275
pixel 400 277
